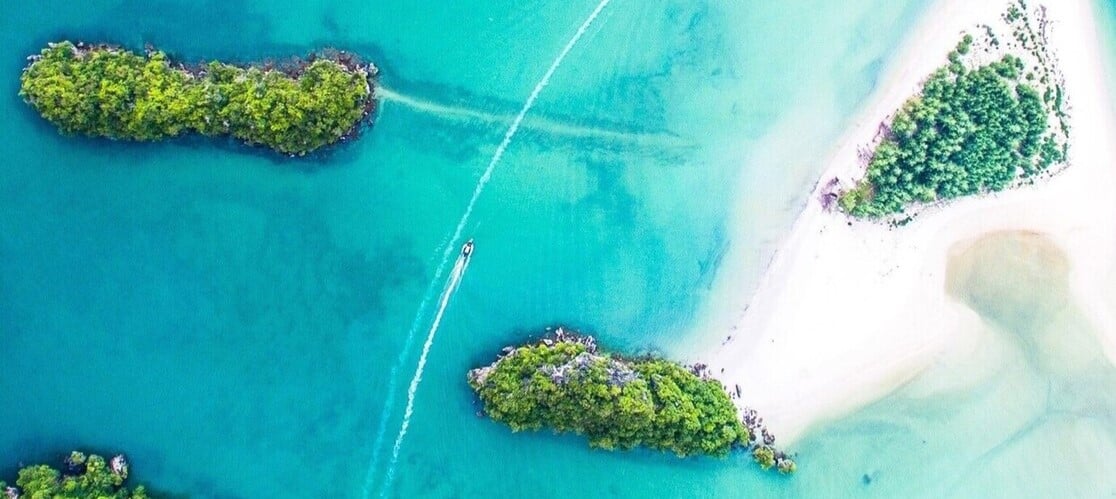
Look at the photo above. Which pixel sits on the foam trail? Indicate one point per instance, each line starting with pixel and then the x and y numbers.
pixel 510 134
pixel 381 431
pixel 452 246
pixel 451 287
pixel 541 124
pixel 389 405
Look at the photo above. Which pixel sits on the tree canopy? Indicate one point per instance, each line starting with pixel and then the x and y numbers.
pixel 968 132
pixel 616 403
pixel 91 478
pixel 114 93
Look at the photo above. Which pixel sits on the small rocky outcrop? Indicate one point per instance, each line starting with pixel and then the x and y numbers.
pixel 119 466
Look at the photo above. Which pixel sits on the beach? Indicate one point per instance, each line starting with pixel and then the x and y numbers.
pixel 278 296
pixel 270 315
pixel 848 311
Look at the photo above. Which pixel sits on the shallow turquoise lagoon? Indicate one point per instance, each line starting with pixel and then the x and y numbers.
pixel 241 324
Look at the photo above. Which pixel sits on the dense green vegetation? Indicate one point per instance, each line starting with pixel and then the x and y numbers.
pixel 567 385
pixel 970 131
pixel 89 477
pixel 617 404
pixel 108 92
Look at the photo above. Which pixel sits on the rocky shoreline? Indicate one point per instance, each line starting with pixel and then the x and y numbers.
pixel 760 442
pixel 81 475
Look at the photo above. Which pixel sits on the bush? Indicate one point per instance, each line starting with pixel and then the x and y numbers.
pixel 764 456
pixel 88 477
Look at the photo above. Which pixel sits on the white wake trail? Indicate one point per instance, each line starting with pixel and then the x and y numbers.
pixel 510 134
pixel 453 243
pixel 389 400
pixel 451 287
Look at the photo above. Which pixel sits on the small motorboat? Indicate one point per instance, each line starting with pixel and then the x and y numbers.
pixel 467 249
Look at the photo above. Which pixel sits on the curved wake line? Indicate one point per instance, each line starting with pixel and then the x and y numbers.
pixel 459 269
pixel 661 139
pixel 389 405
pixel 412 390
pixel 514 128
pixel 380 432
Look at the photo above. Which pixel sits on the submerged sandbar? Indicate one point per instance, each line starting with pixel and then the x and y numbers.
pixel 850 308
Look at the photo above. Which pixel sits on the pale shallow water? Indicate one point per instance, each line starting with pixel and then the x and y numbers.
pixel 232 320
pixel 1023 407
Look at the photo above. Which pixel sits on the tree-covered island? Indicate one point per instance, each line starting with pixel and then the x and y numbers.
pixel 992 118
pixel 80 477
pixel 565 383
pixel 104 91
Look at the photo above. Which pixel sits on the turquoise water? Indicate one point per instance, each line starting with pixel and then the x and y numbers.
pixel 235 322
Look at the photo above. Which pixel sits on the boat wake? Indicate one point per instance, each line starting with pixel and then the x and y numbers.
pixel 451 286
pixel 389 400
pixel 463 261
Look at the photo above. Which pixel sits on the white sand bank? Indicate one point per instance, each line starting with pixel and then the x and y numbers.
pixel 845 314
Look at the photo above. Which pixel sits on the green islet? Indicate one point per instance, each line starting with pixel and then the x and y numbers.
pixel 230 319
